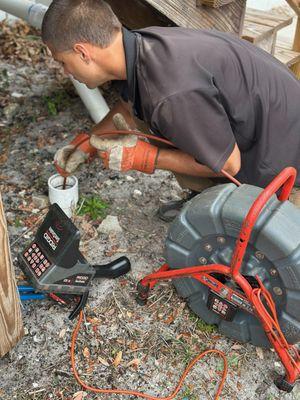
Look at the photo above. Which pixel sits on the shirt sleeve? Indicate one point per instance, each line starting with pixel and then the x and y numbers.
pixel 196 123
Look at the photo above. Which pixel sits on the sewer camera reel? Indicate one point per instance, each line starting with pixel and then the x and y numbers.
pixel 234 255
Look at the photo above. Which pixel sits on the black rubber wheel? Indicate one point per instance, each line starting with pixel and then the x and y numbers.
pixel 205 232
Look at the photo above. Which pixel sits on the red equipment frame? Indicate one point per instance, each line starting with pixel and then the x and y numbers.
pixel 252 298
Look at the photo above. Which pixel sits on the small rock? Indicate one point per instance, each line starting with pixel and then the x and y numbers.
pixel 110 225
pixel 10 216
pixel 10 111
pixel 17 95
pixel 174 195
pixel 108 183
pixel 130 178
pixel 39 338
pixel 136 194
pixel 15 231
pixel 40 201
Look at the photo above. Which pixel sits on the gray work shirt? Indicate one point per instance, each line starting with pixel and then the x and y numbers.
pixel 207 90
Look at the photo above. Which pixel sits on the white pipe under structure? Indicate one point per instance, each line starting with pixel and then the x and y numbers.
pixel 33 13
pixel 93 100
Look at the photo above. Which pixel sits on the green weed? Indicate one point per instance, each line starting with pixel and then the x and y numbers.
pixel 201 325
pixel 270 397
pixel 4 83
pixel 188 395
pixel 233 361
pixel 18 222
pixel 57 102
pixel 185 352
pixel 92 206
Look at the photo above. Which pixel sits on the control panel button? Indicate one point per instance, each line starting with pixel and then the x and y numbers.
pixel 36 259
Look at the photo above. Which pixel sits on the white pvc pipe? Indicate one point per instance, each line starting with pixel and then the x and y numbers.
pixel 67 198
pixel 92 99
pixel 33 13
pixel 17 8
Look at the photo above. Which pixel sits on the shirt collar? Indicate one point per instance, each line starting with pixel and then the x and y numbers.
pixel 129 40
pixel 130 47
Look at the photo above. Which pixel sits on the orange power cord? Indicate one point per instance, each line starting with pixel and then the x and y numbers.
pixel 271 319
pixel 140 394
pixel 193 362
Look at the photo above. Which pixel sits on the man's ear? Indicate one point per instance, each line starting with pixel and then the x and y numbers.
pixel 83 51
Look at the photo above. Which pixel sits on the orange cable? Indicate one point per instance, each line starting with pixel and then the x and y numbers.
pixel 272 320
pixel 139 394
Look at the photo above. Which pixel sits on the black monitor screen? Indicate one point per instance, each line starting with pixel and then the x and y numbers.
pixel 57 232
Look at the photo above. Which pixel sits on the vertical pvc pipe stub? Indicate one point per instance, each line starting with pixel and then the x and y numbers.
pixel 67 198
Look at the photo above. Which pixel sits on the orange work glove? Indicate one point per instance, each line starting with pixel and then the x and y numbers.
pixel 68 158
pixel 125 153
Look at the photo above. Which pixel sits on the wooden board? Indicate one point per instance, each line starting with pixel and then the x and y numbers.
pixel 135 14
pixel 295 5
pixel 271 19
pixel 11 326
pixel 259 25
pixel 141 13
pixel 229 18
pixel 213 3
pixel 296 47
pixel 286 55
pixel 255 33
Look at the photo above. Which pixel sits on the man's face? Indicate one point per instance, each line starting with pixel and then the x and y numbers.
pixel 81 67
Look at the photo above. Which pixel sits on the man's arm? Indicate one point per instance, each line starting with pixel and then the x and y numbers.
pixel 107 123
pixel 177 161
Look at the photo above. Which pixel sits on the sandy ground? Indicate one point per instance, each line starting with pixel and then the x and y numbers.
pixel 121 344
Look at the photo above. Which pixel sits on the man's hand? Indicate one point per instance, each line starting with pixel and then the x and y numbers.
pixel 126 153
pixel 69 159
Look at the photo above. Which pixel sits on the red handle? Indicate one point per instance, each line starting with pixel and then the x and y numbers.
pixel 286 180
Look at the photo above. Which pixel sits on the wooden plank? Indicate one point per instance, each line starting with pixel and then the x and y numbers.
pixel 135 14
pixel 229 18
pixel 271 19
pixel 213 3
pixel 296 47
pixel 262 25
pixel 141 13
pixel 285 55
pixel 255 33
pixel 11 326
pixel 295 5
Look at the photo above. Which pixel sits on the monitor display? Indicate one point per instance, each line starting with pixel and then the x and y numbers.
pixel 57 232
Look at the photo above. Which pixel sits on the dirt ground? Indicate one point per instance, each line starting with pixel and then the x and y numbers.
pixel 121 344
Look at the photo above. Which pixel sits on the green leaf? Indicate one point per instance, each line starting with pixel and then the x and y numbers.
pixel 92 206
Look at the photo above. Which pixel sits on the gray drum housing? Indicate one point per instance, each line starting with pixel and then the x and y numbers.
pixel 205 232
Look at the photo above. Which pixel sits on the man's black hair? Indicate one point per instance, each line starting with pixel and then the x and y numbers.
pixel 67 22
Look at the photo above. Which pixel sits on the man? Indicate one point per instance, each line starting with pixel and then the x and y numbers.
pixel 224 103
